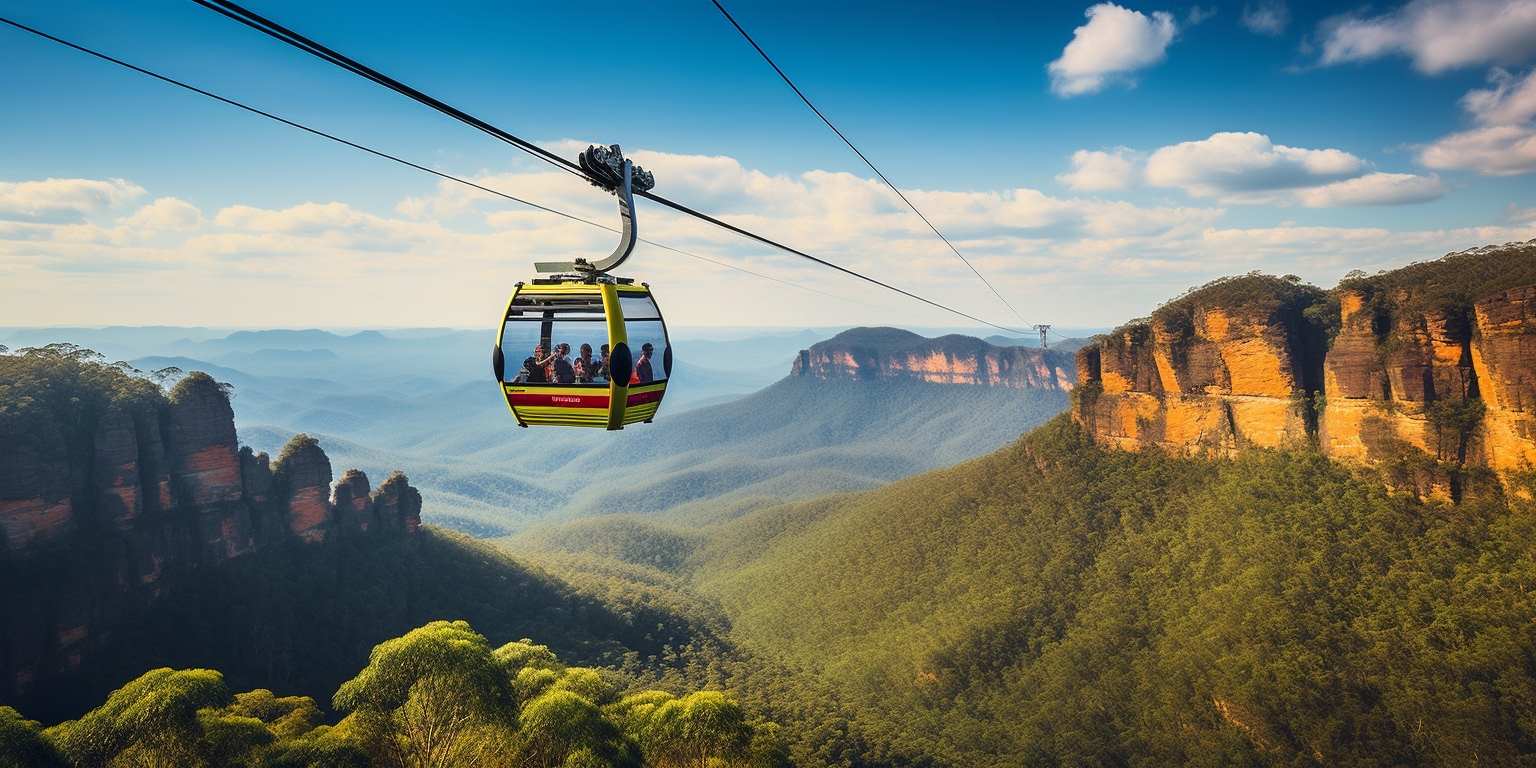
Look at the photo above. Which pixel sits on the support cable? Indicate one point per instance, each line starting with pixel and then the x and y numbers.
pixel 390 157
pixel 862 156
pixel 267 26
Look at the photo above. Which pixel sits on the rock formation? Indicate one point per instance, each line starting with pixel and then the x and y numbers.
pixel 1428 372
pixel 104 504
pixel 891 353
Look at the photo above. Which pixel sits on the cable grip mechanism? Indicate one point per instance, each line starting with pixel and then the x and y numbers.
pixel 608 168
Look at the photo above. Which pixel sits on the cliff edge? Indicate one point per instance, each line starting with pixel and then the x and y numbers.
pixel 111 489
pixel 892 353
pixel 1427 372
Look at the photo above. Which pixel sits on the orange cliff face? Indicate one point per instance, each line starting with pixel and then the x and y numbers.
pixel 1203 376
pixel 1428 372
pixel 109 514
pixel 889 353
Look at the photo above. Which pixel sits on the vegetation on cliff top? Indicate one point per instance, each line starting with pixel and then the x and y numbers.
pixel 1452 282
pixel 439 696
pixel 52 390
pixel 1455 281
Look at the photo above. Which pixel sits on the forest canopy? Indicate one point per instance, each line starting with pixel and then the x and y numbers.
pixel 439 696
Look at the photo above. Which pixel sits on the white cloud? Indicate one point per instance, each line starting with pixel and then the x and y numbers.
pixel 1511 100
pixel 165 213
pixel 1267 17
pixel 1438 35
pixel 1505 145
pixel 54 199
pixel 333 263
pixel 1114 43
pixel 1374 189
pixel 1249 168
pixel 1246 166
pixel 1495 150
pixel 1097 171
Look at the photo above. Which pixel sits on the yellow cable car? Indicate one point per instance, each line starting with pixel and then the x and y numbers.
pixel 596 345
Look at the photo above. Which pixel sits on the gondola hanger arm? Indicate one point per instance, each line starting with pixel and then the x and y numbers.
pixel 608 168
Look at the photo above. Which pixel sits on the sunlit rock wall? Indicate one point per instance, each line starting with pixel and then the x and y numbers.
pixel 1422 379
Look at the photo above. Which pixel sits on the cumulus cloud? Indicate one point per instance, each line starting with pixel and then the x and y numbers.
pixel 1098 171
pixel 59 199
pixel 1374 189
pixel 1115 43
pixel 1495 150
pixel 336 263
pixel 1505 144
pixel 1269 17
pixel 165 213
pixel 1438 35
pixel 1239 164
pixel 1249 168
pixel 1511 100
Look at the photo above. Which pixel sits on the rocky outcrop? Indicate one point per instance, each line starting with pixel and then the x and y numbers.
pixel 302 475
pixel 1427 372
pixel 1214 371
pixel 104 505
pixel 890 353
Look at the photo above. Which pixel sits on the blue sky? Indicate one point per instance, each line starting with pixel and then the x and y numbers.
pixel 955 99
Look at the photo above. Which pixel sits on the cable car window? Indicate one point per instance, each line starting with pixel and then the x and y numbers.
pixel 638 308
pixel 555 352
pixel 584 306
pixel 641 333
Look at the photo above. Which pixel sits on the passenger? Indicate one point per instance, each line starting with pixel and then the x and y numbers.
pixel 602 364
pixel 533 369
pixel 643 365
pixel 586 367
pixel 564 372
pixel 546 363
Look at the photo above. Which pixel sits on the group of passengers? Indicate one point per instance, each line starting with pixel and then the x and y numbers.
pixel 557 367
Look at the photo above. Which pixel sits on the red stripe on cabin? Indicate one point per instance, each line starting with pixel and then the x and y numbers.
pixel 642 398
pixel 559 401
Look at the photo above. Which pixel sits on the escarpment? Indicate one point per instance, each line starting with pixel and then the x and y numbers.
pixel 112 493
pixel 1427 372
pixel 891 353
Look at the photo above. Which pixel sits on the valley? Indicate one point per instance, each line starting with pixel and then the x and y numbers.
pixel 908 550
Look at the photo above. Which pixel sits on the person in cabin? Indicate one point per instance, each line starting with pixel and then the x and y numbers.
pixel 564 372
pixel 546 363
pixel 643 374
pixel 586 367
pixel 533 368
pixel 602 364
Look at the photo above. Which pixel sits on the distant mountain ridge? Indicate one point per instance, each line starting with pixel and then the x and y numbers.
pixel 893 353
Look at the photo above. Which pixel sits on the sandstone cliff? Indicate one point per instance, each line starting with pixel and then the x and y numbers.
pixel 1428 372
pixel 891 353
pixel 111 490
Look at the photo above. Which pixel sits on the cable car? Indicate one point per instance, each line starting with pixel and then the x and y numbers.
pixel 617 363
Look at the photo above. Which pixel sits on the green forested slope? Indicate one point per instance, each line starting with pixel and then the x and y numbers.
pixel 1055 603
pixel 300 617
pixel 1058 604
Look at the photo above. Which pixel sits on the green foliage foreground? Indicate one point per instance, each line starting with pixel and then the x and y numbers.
pixel 439 696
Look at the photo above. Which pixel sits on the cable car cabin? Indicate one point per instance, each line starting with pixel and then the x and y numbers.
pixel 615 372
